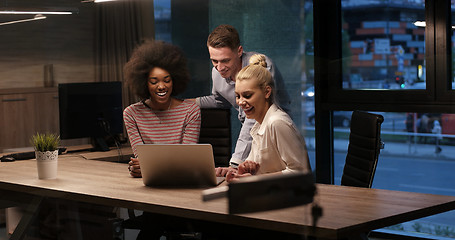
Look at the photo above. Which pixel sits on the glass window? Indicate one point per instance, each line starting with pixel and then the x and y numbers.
pixel 162 11
pixel 383 44
pixel 453 44
pixel 282 30
pixel 418 156
pixel 306 97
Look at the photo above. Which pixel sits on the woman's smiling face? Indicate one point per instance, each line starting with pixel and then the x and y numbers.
pixel 252 99
pixel 160 88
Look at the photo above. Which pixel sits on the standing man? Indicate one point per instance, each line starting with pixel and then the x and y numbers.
pixel 228 58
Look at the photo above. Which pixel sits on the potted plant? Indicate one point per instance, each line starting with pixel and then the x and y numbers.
pixel 46 154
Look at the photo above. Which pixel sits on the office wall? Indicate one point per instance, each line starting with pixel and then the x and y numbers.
pixel 65 41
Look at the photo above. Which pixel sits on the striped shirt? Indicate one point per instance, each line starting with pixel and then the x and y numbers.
pixel 179 125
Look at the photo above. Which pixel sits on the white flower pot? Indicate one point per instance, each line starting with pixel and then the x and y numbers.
pixel 47 164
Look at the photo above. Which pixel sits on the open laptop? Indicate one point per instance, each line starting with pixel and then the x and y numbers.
pixel 177 165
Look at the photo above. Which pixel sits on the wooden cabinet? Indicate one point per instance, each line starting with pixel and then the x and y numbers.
pixel 46 112
pixel 24 112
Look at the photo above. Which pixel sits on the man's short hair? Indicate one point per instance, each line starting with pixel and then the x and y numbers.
pixel 224 36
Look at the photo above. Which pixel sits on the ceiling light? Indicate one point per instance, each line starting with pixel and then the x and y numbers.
pixel 96 1
pixel 37 17
pixel 36 12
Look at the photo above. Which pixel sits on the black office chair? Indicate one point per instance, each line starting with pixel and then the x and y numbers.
pixel 363 150
pixel 216 130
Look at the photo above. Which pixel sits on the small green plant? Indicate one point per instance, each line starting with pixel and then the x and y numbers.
pixel 45 142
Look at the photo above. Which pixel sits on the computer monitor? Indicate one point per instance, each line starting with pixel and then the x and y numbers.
pixel 91 110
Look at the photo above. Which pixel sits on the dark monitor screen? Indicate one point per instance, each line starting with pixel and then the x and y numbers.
pixel 91 110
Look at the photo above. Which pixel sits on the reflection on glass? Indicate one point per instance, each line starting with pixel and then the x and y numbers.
pixel 382 47
pixel 453 43
pixel 418 156
pixel 306 98
pixel 162 11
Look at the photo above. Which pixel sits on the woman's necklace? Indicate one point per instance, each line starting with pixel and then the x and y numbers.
pixel 151 108
pixel 170 104
pixel 159 114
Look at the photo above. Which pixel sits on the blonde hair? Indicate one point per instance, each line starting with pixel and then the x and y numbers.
pixel 257 69
pixel 258 59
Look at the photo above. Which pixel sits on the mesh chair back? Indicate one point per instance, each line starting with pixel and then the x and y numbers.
pixel 363 150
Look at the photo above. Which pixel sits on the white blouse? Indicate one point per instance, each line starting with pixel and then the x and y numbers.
pixel 277 144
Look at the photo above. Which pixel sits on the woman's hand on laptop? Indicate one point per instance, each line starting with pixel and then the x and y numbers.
pixel 134 168
pixel 233 175
pixel 248 167
pixel 222 171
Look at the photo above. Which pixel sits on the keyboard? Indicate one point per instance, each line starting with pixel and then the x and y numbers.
pixel 24 155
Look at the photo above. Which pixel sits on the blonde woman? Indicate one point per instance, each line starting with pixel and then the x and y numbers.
pixel 277 145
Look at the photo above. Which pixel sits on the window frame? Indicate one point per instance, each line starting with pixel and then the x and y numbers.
pixel 330 96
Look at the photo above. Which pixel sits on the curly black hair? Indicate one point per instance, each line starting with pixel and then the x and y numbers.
pixel 160 54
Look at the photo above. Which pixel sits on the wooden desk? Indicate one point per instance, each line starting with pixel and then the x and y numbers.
pixel 113 155
pixel 347 210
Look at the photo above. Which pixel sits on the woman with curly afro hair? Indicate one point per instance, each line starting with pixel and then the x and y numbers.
pixel 156 73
